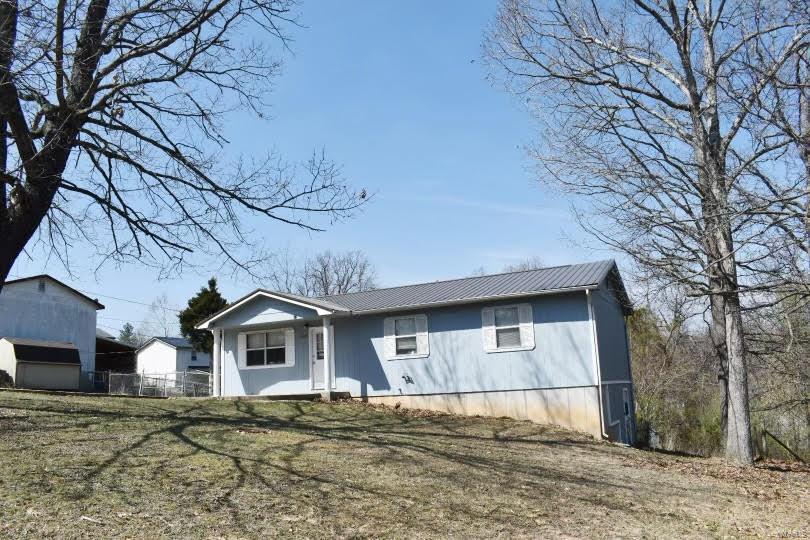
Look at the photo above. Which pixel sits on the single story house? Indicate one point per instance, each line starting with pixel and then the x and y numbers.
pixel 547 345
pixel 163 355
pixel 42 365
pixel 43 309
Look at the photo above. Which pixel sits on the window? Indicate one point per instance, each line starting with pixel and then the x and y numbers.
pixel 406 337
pixel 405 332
pixel 508 328
pixel 41 285
pixel 266 348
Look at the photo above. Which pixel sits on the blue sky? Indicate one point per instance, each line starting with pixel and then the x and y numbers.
pixel 395 92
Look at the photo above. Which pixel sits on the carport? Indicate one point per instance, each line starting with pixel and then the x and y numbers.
pixel 46 365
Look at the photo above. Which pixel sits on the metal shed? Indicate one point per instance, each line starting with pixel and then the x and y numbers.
pixel 46 365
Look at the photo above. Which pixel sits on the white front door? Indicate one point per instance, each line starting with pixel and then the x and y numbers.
pixel 316 358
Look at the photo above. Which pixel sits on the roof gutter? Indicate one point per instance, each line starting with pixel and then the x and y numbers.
pixel 596 363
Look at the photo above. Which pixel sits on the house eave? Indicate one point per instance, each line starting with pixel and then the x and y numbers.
pixel 210 322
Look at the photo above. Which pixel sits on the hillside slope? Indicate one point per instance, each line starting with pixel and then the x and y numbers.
pixel 124 467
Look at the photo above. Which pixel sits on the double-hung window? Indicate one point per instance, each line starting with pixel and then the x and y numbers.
pixel 406 337
pixel 508 328
pixel 267 349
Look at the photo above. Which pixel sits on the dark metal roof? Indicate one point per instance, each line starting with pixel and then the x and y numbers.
pixel 510 284
pixel 524 283
pixel 95 301
pixel 321 302
pixel 176 342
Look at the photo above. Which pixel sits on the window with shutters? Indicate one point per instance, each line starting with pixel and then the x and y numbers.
pixel 508 328
pixel 266 348
pixel 406 337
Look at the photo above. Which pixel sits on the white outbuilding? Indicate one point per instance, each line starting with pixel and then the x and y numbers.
pixel 162 355
pixel 55 319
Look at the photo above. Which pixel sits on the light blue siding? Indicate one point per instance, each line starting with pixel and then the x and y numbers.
pixel 457 361
pixel 614 360
pixel 562 357
pixel 263 310
pixel 616 425
pixel 614 364
pixel 268 381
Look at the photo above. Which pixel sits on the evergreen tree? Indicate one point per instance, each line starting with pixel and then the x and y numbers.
pixel 202 305
pixel 128 335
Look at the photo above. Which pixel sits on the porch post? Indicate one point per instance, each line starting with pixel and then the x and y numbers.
pixel 216 361
pixel 327 361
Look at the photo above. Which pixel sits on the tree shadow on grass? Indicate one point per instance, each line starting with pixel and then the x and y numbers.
pixel 434 448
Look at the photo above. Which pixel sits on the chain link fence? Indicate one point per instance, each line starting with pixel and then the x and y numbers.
pixel 180 383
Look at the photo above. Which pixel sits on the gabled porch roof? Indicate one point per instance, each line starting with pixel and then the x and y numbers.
pixel 319 306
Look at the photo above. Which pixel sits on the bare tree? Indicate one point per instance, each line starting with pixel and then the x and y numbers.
pixel 529 263
pixel 161 319
pixel 111 124
pixel 324 274
pixel 661 114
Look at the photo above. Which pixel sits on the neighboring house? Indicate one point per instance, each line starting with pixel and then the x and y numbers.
pixel 547 345
pixel 44 309
pixel 161 355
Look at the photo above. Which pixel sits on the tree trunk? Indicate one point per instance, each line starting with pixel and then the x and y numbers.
pixel 738 429
pixel 717 332
pixel 726 309
pixel 738 433
pixel 804 152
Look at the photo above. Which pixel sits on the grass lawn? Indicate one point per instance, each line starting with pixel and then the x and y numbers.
pixel 125 467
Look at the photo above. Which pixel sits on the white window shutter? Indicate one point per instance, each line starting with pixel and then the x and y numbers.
pixel 526 326
pixel 422 341
pixel 488 329
pixel 241 349
pixel 289 346
pixel 389 342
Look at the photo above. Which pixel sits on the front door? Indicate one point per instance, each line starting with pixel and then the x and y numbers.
pixel 316 357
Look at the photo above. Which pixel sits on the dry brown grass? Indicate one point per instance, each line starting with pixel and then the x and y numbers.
pixel 123 467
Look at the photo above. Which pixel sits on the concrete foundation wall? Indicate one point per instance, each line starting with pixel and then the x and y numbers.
pixel 574 408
